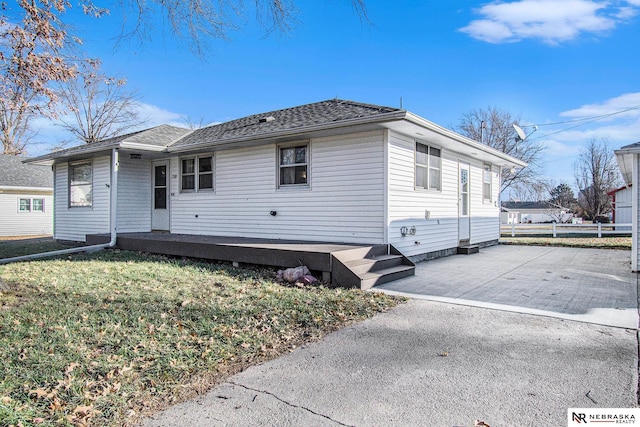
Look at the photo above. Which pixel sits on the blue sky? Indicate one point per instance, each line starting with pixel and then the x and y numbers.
pixel 545 61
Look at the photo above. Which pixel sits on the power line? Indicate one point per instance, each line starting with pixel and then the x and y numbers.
pixel 591 118
pixel 581 122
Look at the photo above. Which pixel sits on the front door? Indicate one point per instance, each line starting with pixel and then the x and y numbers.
pixel 464 224
pixel 160 202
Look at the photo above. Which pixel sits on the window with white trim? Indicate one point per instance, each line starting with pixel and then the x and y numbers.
pixel 486 183
pixel 81 185
pixel 196 173
pixel 24 205
pixel 428 167
pixel 293 165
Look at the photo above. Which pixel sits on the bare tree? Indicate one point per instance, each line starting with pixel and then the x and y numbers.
pixel 98 106
pixel 38 51
pixel 494 128
pixel 596 173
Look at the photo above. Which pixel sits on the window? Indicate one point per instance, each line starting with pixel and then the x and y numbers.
pixel 197 173
pixel 24 205
pixel 486 183
pixel 80 185
pixel 428 164
pixel 293 165
pixel 38 205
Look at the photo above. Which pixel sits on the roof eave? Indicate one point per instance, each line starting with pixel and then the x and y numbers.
pixel 464 140
pixel 49 159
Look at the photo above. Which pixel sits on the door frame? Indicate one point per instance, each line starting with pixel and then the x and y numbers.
pixel 464 220
pixel 165 224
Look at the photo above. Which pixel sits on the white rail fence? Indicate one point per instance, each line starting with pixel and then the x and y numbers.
pixel 555 229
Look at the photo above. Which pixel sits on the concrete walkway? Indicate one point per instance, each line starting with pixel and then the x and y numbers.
pixel 446 365
pixel 588 285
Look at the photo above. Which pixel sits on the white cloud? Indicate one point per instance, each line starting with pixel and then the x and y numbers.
pixel 626 105
pixel 551 21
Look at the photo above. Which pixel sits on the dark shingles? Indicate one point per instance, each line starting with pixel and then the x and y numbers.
pixel 319 113
pixel 634 145
pixel 14 173
pixel 159 136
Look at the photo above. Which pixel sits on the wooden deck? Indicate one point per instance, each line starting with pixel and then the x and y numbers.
pixel 327 258
pixel 277 253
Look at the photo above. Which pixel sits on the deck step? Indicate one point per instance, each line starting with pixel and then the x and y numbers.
pixel 386 275
pixel 368 267
pixel 380 262
pixel 468 249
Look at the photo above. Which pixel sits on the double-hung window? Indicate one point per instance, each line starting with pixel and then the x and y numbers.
pixel 197 173
pixel 428 167
pixel 486 183
pixel 293 165
pixel 81 185
pixel 24 205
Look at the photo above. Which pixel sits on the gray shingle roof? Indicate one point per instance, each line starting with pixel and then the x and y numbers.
pixel 634 145
pixel 14 173
pixel 159 136
pixel 302 116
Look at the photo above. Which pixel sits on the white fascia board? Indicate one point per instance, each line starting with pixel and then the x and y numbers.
pixel 25 189
pixel 49 159
pixel 143 147
pixel 464 140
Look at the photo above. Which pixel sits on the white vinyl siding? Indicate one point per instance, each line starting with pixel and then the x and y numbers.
pixel 485 216
pixel 134 197
pixel 343 203
pixel 409 207
pixel 25 223
pixel 76 222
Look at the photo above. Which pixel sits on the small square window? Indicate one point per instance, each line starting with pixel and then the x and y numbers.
pixel 24 205
pixel 38 205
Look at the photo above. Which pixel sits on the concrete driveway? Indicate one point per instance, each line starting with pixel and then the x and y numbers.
pixel 589 285
pixel 446 365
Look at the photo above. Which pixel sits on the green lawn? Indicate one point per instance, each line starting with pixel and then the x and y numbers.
pixel 106 338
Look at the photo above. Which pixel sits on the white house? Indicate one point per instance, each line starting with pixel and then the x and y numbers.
pixel 621 202
pixel 628 158
pixel 518 212
pixel 26 198
pixel 332 171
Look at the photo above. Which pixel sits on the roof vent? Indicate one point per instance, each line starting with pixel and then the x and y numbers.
pixel 266 119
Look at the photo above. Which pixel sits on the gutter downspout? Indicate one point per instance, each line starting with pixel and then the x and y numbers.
pixel 113 195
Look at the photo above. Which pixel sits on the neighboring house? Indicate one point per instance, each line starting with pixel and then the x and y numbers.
pixel 534 213
pixel 621 204
pixel 26 198
pixel 628 158
pixel 332 171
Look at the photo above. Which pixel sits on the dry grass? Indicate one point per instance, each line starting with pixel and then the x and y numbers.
pixel 578 242
pixel 104 339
